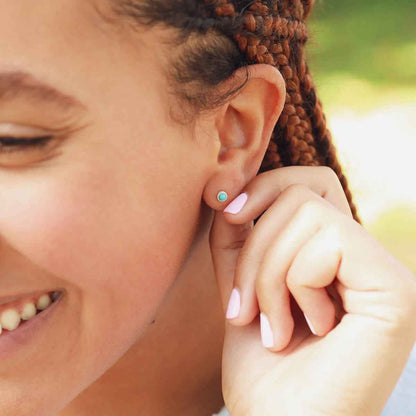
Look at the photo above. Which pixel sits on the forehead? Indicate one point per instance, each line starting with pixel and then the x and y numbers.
pixel 71 42
pixel 55 23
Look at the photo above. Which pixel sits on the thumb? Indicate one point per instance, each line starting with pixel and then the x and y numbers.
pixel 226 241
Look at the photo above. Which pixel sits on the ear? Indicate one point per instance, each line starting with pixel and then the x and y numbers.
pixel 244 127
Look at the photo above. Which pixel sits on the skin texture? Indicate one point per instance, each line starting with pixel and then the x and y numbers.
pixel 116 213
pixel 359 298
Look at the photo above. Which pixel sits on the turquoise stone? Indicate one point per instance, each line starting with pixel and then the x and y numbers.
pixel 222 196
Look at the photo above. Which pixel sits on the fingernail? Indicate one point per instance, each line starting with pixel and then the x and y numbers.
pixel 233 304
pixel 266 331
pixel 237 204
pixel 310 325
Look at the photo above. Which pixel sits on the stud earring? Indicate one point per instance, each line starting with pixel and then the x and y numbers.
pixel 222 196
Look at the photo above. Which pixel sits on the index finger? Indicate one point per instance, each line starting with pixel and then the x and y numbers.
pixel 265 187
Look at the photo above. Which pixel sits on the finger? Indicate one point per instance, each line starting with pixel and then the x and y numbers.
pixel 265 187
pixel 267 228
pixel 271 288
pixel 290 182
pixel 225 243
pixel 315 267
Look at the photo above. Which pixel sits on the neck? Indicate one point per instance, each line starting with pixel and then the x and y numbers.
pixel 175 367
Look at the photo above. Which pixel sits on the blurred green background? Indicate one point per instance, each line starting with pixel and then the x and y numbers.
pixel 369 41
pixel 363 59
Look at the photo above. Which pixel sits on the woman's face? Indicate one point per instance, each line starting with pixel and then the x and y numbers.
pixel 106 211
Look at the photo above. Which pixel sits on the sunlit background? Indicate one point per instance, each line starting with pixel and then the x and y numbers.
pixel 362 55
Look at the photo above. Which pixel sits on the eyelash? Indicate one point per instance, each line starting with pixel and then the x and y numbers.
pixel 16 144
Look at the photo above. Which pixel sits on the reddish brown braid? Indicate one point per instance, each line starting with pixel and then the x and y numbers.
pixel 275 33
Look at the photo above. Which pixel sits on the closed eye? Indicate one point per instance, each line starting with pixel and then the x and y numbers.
pixel 10 144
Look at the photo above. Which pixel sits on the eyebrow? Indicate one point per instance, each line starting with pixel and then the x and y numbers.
pixel 22 84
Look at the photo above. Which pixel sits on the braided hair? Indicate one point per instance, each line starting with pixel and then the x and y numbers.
pixel 229 34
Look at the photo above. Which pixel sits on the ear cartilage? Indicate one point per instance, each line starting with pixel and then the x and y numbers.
pixel 222 196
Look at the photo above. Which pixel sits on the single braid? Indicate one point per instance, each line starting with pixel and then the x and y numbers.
pixel 274 32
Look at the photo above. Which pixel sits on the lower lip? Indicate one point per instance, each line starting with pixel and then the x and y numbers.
pixel 12 341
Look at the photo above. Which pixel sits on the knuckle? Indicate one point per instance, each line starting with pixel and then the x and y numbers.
pixel 334 229
pixel 403 309
pixel 329 173
pixel 405 286
pixel 265 288
pixel 400 318
pixel 291 280
pixel 261 284
pixel 294 190
pixel 296 278
pixel 334 233
pixel 308 208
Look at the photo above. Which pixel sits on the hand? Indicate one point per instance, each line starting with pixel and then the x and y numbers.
pixel 307 255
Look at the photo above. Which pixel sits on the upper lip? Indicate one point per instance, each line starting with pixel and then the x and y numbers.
pixel 11 298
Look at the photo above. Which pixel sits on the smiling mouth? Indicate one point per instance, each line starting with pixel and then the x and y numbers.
pixel 15 313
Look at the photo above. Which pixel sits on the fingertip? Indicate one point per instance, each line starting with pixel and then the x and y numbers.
pixel 235 206
pixel 311 327
pixel 267 337
pixel 275 339
pixel 234 304
pixel 240 313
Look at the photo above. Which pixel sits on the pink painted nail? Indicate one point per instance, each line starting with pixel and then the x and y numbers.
pixel 233 304
pixel 237 204
pixel 310 325
pixel 266 331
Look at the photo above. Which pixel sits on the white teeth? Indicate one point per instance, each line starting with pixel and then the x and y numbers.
pixel 10 319
pixel 43 302
pixel 28 311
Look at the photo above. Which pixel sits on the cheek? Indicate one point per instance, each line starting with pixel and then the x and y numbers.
pixel 102 232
